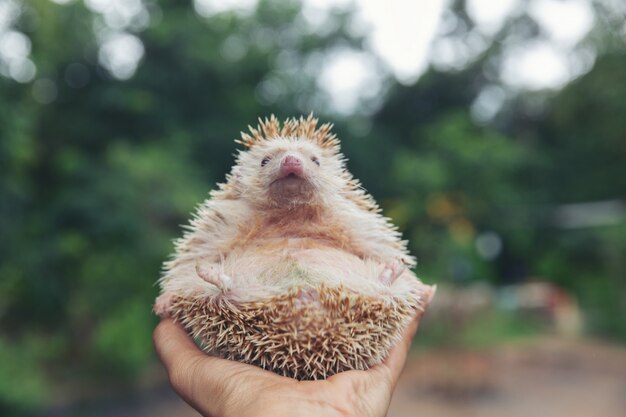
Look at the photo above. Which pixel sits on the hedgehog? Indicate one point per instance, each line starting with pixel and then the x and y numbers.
pixel 290 265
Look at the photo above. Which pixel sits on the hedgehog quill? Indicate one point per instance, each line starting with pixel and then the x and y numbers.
pixel 289 265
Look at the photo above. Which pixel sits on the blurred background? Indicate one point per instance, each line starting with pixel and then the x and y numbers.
pixel 492 132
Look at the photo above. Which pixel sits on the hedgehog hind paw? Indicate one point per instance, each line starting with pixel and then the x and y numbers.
pixel 213 274
pixel 163 305
pixel 391 272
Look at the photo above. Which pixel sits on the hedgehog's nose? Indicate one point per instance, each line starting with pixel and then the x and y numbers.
pixel 291 165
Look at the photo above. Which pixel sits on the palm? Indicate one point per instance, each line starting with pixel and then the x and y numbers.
pixel 218 387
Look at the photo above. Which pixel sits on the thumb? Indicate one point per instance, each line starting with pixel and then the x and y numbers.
pixel 173 345
pixel 205 382
pixel 194 375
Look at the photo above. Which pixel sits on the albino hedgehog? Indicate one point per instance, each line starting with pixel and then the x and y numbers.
pixel 289 265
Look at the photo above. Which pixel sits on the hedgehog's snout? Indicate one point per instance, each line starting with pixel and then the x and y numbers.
pixel 291 165
pixel 292 183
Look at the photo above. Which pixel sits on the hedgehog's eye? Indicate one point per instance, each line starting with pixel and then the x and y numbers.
pixel 316 160
pixel 265 161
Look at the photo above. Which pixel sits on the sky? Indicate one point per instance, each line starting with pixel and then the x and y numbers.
pixel 404 34
pixel 408 35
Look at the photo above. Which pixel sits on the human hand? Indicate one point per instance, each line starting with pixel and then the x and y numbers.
pixel 221 388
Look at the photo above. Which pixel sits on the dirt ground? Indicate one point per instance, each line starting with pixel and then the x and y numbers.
pixel 545 377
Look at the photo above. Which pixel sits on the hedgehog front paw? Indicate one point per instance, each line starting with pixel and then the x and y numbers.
pixel 391 271
pixel 213 274
pixel 163 305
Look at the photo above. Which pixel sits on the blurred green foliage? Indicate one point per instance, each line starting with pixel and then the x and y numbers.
pixel 94 186
pixel 483 330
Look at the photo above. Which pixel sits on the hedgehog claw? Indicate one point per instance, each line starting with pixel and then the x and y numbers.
pixel 391 272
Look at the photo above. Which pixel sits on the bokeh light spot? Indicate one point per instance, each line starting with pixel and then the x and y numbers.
pixel 120 54
pixel 489 245
pixel 44 91
pixel 22 71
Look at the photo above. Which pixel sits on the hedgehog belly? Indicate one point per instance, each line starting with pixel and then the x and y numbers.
pixel 306 332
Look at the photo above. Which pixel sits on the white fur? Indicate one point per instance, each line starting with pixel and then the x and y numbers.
pixel 265 263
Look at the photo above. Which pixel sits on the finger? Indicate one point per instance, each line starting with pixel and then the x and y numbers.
pixel 174 347
pixel 177 350
pixel 205 382
pixel 190 370
pixel 397 355
pixel 392 366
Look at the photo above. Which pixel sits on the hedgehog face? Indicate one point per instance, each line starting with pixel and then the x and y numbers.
pixel 287 172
